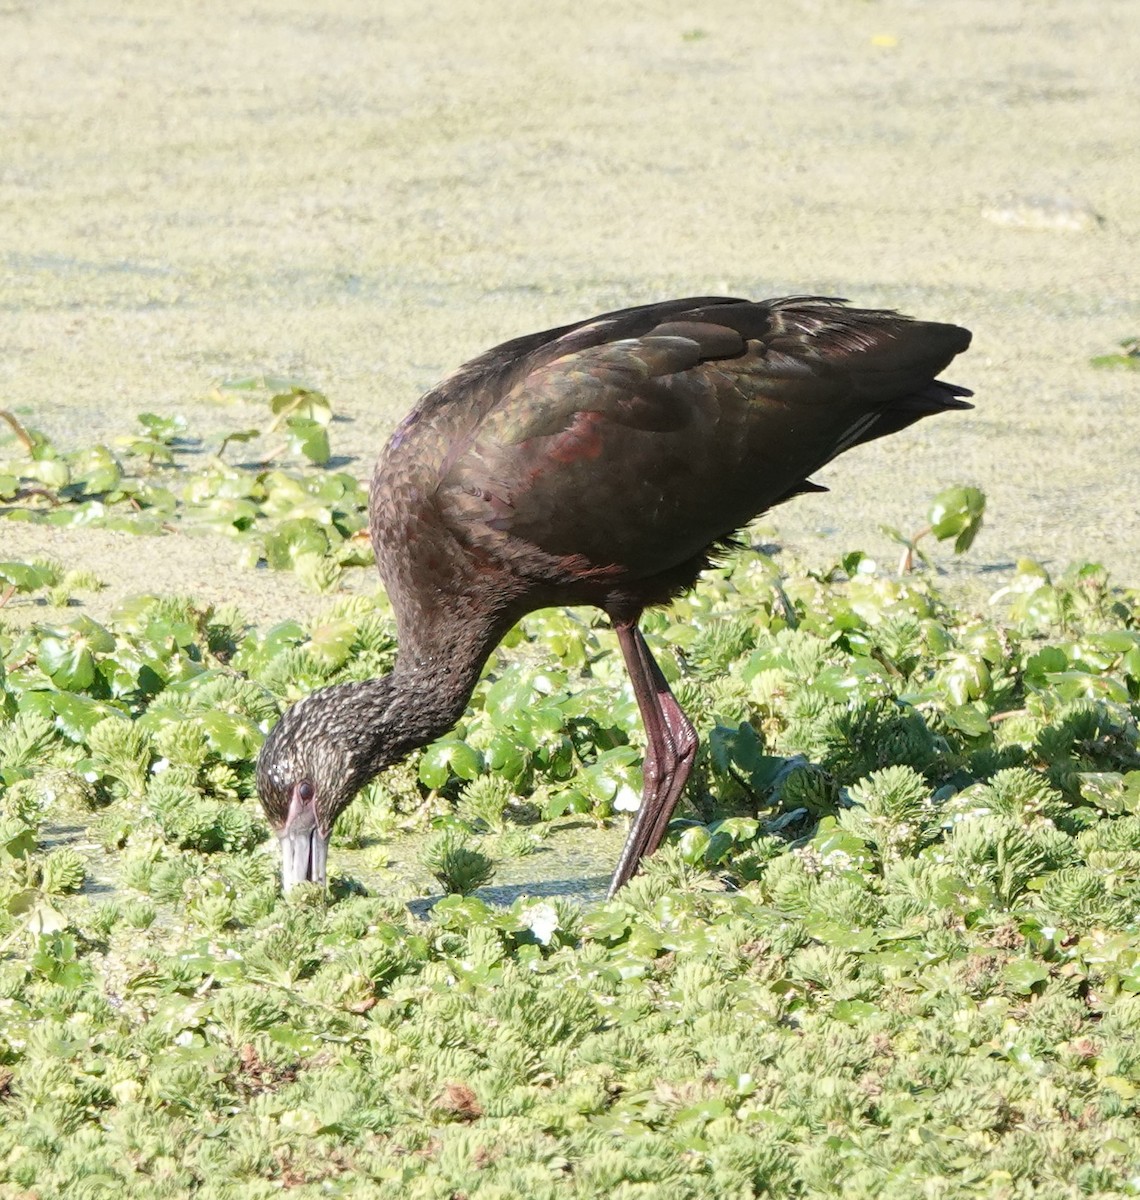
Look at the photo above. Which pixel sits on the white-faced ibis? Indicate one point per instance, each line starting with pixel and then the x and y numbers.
pixel 598 463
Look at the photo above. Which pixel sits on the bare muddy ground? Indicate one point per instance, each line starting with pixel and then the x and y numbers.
pixel 365 195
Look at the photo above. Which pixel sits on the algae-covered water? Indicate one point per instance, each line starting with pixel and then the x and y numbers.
pixel 365 196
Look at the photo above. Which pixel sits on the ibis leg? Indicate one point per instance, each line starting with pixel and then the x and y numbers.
pixel 671 746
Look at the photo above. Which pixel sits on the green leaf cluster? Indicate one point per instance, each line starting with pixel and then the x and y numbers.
pixel 156 480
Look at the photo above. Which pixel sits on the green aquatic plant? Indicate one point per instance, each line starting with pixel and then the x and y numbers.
pixel 892 946
pixel 955 513
pixel 62 871
pixel 893 811
pixel 1128 357
pixel 484 801
pixel 154 481
pixel 459 866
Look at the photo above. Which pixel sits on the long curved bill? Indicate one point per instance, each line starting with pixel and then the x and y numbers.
pixel 304 857
pixel 304 848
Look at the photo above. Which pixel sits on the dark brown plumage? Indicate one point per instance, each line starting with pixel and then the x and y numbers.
pixel 597 463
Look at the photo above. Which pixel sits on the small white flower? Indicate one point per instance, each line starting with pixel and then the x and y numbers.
pixel 542 921
pixel 626 800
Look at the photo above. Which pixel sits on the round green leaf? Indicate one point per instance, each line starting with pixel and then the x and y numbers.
pixel 67 662
pixel 957 513
pixel 448 757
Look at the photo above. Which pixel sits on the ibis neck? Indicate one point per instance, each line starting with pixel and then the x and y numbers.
pixel 431 684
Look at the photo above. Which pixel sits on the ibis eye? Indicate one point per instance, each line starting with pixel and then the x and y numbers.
pixel 306 791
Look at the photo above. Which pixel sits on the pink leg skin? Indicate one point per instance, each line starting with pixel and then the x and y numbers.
pixel 671 746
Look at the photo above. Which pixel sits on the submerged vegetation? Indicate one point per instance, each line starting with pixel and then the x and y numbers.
pixel 891 950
